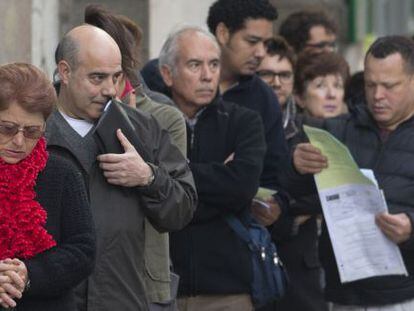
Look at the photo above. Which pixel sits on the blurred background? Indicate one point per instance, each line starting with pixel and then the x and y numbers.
pixel 31 28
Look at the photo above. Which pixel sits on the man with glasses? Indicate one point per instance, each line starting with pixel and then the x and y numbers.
pixel 310 30
pixel 276 69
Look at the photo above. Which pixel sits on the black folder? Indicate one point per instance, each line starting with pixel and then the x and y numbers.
pixel 114 117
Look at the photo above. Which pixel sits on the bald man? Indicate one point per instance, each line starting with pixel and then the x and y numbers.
pixel 124 188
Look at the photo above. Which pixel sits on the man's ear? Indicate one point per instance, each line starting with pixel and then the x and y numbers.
pixel 222 33
pixel 64 71
pixel 167 75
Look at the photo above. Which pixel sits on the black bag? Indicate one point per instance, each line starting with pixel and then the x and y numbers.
pixel 269 277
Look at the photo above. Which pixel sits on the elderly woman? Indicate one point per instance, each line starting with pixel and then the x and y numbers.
pixel 320 84
pixel 47 242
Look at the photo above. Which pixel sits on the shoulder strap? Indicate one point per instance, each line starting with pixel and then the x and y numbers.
pixel 240 230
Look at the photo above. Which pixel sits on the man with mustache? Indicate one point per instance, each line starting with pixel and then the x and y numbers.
pixel 379 137
pixel 124 188
pixel 225 153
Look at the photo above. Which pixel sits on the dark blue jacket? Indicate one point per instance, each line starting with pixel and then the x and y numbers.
pixel 252 93
pixel 209 257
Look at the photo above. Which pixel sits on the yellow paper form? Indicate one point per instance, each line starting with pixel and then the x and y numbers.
pixel 342 167
pixel 350 202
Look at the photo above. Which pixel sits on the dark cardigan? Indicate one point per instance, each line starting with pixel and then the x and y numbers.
pixel 54 273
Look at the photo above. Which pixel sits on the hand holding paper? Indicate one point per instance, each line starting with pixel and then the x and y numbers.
pixel 396 227
pixel 308 159
pixel 264 207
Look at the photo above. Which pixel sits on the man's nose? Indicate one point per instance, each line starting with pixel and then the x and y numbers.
pixel 109 88
pixel 206 73
pixel 260 51
pixel 378 93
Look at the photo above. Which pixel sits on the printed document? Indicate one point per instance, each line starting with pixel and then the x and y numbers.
pixel 350 200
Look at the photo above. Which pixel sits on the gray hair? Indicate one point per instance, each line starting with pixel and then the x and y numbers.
pixel 169 51
pixel 67 50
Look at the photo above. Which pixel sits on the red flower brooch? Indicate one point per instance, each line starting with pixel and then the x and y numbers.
pixel 22 218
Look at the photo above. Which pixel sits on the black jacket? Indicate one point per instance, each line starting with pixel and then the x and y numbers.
pixel 207 254
pixel 252 93
pixel 54 273
pixel 392 162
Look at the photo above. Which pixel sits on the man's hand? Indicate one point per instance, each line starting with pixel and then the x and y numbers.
pixel 266 216
pixel 308 159
pixel 127 169
pixel 396 227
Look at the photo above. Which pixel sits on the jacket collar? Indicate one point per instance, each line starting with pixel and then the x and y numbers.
pixel 364 118
pixel 55 137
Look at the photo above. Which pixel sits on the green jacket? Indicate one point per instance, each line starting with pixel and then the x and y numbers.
pixel 157 255
pixel 118 280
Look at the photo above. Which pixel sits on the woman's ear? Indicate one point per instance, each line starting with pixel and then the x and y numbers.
pixel 222 33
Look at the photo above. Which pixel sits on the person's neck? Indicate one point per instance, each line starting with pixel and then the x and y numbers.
pixel 187 110
pixel 227 79
pixel 393 127
pixel 64 104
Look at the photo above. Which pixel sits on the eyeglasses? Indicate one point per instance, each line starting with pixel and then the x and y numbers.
pixel 268 76
pixel 10 129
pixel 322 45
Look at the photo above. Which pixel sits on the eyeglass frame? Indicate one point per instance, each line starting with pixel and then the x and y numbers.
pixel 321 45
pixel 24 129
pixel 285 80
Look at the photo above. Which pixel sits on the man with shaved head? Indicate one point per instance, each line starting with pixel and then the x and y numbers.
pixel 124 188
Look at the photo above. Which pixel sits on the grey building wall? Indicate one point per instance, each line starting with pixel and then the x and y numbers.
pixel 15 32
pixel 71 13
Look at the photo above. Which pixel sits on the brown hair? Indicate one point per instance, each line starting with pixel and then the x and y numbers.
pixel 124 31
pixel 28 86
pixel 312 65
pixel 296 27
pixel 279 46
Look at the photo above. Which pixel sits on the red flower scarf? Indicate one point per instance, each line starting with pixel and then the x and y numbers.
pixel 22 219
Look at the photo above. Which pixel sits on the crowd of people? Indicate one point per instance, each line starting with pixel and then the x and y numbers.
pixel 218 115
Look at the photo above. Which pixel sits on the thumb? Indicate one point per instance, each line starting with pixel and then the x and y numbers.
pixel 124 141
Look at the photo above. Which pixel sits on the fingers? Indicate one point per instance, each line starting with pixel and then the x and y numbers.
pixel 308 159
pixel 16 279
pixel 124 141
pixel 6 301
pixel 396 227
pixel 266 215
pixel 7 265
pixel 301 219
pixel 12 291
